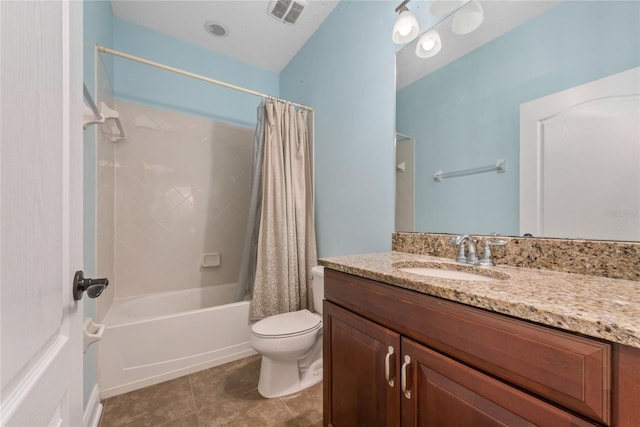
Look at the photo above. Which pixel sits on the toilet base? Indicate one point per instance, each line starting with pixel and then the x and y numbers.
pixel 280 379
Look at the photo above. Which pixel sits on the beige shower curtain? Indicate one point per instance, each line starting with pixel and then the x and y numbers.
pixel 286 241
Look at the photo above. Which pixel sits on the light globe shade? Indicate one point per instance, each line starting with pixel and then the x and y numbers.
pixel 467 18
pixel 405 29
pixel 442 7
pixel 429 44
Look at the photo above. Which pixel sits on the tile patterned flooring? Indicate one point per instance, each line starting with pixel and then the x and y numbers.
pixel 225 395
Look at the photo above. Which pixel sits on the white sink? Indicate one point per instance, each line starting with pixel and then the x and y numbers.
pixel 446 274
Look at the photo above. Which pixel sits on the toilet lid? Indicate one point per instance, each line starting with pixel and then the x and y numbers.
pixel 292 323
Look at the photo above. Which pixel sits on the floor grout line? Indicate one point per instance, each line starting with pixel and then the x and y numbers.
pixel 289 411
pixel 193 397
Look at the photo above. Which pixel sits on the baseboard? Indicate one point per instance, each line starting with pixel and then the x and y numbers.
pixel 93 411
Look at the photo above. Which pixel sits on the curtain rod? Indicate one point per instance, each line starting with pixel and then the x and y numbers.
pixel 195 76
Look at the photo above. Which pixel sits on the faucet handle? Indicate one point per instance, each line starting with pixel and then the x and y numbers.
pixel 456 240
pixel 486 260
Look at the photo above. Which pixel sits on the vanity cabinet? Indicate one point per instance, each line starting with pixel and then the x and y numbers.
pixel 395 357
pixel 360 393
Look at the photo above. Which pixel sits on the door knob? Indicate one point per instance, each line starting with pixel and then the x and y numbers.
pixel 94 287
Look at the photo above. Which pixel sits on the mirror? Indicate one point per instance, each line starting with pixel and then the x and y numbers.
pixel 460 109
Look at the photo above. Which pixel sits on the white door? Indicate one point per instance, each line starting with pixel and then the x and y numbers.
pixel 40 212
pixel 579 161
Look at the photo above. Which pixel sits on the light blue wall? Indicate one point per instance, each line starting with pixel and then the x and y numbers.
pixel 158 88
pixel 346 71
pixel 97 28
pixel 467 114
pixel 149 86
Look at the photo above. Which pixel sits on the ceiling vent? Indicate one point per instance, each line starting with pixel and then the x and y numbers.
pixel 287 11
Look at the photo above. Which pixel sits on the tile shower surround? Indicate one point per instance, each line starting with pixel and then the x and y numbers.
pixel 182 188
pixel 105 197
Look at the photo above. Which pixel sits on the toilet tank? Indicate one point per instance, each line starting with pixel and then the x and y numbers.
pixel 317 283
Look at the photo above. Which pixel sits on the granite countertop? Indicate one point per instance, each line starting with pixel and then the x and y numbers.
pixel 595 306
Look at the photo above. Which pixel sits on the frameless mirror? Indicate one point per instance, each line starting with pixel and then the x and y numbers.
pixel 459 114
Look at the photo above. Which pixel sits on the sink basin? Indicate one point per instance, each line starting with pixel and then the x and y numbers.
pixel 446 274
pixel 450 271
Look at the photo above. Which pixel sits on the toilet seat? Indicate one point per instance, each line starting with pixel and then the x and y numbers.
pixel 287 324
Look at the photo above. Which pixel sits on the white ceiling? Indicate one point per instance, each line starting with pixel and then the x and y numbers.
pixel 499 18
pixel 254 37
pixel 258 39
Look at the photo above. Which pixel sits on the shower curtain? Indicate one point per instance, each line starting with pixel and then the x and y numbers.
pixel 286 245
pixel 247 273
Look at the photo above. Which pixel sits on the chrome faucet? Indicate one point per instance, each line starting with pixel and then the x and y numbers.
pixel 468 254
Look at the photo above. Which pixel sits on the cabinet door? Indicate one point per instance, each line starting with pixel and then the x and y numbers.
pixel 361 363
pixel 443 392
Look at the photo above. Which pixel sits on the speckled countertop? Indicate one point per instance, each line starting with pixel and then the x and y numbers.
pixel 595 306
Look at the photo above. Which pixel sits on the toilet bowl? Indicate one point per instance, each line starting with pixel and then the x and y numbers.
pixel 291 346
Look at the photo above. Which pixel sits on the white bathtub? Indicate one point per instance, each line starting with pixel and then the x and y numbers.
pixel 155 338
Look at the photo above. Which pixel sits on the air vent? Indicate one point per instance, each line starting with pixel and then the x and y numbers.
pixel 287 11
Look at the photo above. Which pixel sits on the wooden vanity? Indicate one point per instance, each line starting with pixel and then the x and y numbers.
pixel 401 357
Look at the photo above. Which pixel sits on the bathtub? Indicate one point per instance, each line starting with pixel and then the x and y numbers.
pixel 154 338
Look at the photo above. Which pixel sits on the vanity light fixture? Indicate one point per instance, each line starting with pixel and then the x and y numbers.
pixel 406 27
pixel 443 7
pixel 429 44
pixel 467 18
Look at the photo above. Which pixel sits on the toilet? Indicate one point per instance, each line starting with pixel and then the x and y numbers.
pixel 291 346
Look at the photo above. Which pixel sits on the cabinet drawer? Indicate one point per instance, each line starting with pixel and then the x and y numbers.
pixel 570 370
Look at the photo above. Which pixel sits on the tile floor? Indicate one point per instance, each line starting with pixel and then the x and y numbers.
pixel 226 395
